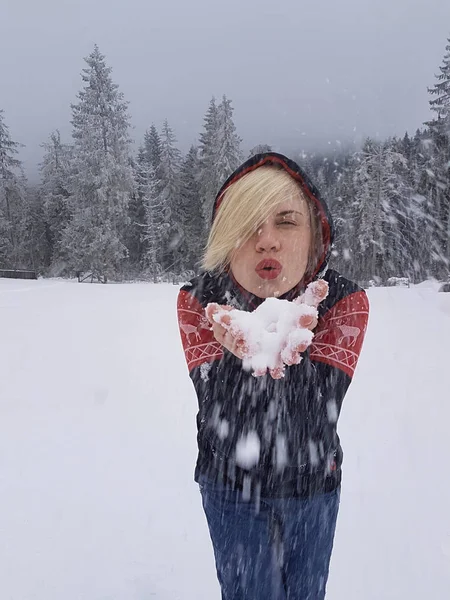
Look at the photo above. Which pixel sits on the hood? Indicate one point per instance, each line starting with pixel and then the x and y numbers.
pixel 308 188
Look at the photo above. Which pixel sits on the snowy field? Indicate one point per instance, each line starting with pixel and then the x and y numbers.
pixel 97 450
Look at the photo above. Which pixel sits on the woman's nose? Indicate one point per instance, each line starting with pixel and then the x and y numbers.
pixel 267 239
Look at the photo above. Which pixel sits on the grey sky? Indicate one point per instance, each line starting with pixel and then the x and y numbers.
pixel 301 73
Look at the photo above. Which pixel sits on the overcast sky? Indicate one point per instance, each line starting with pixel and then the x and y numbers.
pixel 301 73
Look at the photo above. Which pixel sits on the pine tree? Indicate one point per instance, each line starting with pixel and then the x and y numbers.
pixel 101 174
pixel 190 214
pixel 147 174
pixel 54 191
pixel 229 152
pixel 220 153
pixel 37 252
pixel 152 149
pixel 160 189
pixel 403 217
pixel 136 216
pixel 441 104
pixel 439 163
pixel 418 235
pixel 259 149
pixel 168 189
pixel 305 160
pixel 12 201
pixel 380 209
pixel 156 222
pixel 342 195
pixel 209 153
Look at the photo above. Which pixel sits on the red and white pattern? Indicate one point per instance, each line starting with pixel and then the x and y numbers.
pixel 199 343
pixel 337 341
pixel 339 335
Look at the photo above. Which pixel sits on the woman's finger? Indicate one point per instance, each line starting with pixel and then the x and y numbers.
pixel 307 322
pixel 219 332
pixel 226 338
pixel 213 308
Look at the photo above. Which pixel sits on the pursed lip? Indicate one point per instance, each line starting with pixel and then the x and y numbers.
pixel 269 268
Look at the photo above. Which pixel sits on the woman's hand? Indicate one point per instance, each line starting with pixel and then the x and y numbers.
pixel 233 343
pixel 228 341
pixel 274 335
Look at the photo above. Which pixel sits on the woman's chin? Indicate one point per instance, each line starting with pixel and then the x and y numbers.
pixel 274 288
pixel 271 289
pixel 266 288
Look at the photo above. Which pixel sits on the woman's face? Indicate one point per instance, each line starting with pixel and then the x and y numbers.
pixel 274 259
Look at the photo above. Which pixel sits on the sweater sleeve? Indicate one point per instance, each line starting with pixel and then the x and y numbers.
pixel 197 338
pixel 339 335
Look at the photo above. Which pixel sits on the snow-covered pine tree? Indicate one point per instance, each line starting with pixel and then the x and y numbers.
pixel 208 156
pixel 305 160
pixel 342 202
pixel 170 160
pixel 156 222
pixel 190 213
pixel 259 149
pixel 136 217
pixel 162 232
pixel 12 201
pixel 147 173
pixel 36 248
pixel 220 153
pixel 381 213
pixel 439 163
pixel 168 188
pixel 403 216
pixel 229 151
pixel 152 149
pixel 368 211
pixel 101 174
pixel 54 191
pixel 418 155
pixel 417 231
pixel 426 259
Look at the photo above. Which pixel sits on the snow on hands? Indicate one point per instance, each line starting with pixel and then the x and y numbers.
pixel 275 334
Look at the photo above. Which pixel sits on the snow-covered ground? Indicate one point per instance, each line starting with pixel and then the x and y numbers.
pixel 97 450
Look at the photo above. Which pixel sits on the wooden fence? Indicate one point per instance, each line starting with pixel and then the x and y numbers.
pixel 17 274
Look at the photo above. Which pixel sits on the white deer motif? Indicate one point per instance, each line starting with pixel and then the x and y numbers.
pixel 350 333
pixel 189 329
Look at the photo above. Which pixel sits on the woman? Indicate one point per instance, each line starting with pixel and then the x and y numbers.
pixel 271 518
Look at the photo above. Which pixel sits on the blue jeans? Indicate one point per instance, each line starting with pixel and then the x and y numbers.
pixel 278 550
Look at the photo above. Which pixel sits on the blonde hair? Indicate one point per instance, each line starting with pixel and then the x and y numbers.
pixel 245 206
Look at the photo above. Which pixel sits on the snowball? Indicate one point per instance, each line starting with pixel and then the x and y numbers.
pixel 273 333
pixel 281 452
pixel 268 330
pixel 313 453
pixel 332 411
pixel 223 429
pixel 247 450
